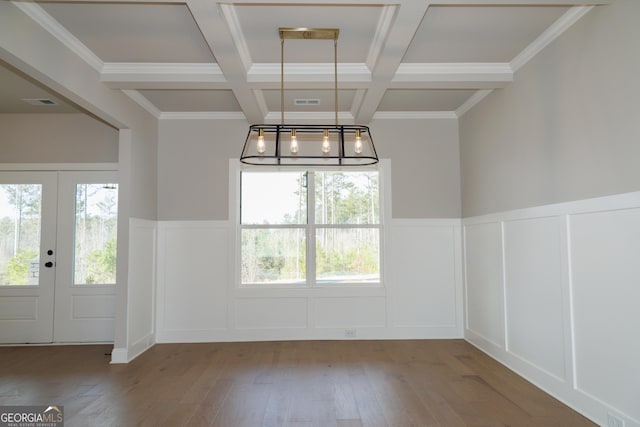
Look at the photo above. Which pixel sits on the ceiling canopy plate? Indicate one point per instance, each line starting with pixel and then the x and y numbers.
pixel 309 33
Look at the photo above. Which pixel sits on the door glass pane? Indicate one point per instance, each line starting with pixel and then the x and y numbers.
pixel 347 255
pixel 273 198
pixel 347 198
pixel 20 208
pixel 274 256
pixel 95 234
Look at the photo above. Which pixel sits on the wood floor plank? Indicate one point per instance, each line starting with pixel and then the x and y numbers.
pixel 440 383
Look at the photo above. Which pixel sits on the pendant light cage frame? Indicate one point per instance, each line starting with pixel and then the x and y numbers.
pixel 309 144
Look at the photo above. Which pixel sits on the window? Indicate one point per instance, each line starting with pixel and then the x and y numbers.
pixel 20 223
pixel 310 227
pixel 95 248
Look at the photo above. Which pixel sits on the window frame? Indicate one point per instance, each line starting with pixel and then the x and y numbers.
pixel 310 282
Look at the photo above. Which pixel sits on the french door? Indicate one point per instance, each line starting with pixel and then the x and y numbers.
pixel 57 256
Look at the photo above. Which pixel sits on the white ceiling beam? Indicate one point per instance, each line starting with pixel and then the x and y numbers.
pixel 385 23
pixel 452 76
pixel 163 76
pixel 407 19
pixel 308 76
pixel 554 31
pixel 213 26
pixel 40 16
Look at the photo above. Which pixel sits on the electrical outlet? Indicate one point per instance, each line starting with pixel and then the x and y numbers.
pixel 613 421
pixel 350 333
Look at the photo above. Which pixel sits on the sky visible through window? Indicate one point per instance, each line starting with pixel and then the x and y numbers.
pixel 268 197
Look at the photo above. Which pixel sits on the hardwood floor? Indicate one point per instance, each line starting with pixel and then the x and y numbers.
pixel 298 383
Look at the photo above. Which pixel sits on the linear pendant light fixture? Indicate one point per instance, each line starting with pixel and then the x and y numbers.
pixel 309 145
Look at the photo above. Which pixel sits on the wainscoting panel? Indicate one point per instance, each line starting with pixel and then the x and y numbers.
pixel 193 277
pixel 484 283
pixel 605 265
pixel 271 313
pixel 572 285
pixel 198 298
pixel 351 312
pixel 534 297
pixel 425 274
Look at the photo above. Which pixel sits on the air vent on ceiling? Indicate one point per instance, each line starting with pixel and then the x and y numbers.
pixel 40 101
pixel 306 101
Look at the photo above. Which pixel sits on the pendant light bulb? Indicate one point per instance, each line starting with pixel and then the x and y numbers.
pixel 293 147
pixel 326 147
pixel 358 145
pixel 261 147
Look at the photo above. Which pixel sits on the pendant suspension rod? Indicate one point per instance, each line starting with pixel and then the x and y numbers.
pixel 335 74
pixel 282 81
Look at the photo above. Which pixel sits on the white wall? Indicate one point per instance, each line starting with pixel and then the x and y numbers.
pixel 426 166
pixel 193 165
pixel 566 128
pixel 56 138
pixel 141 289
pixel 553 291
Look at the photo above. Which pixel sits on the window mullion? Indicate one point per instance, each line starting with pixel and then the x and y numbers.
pixel 311 228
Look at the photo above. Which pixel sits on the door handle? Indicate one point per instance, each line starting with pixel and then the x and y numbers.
pixel 48 264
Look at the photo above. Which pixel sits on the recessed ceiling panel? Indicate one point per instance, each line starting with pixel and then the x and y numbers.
pixel 423 100
pixel 192 100
pixel 145 32
pixel 478 34
pixel 14 89
pixel 326 98
pixel 260 23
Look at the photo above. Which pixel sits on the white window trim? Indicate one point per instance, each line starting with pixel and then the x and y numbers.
pixel 384 170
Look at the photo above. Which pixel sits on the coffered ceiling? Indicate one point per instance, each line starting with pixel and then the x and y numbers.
pixel 207 58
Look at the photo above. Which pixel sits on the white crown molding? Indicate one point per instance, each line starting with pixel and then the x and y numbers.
pixel 382 32
pixel 231 17
pixel 46 21
pixel 414 115
pixel 143 102
pixel 562 24
pixel 472 101
pixel 202 115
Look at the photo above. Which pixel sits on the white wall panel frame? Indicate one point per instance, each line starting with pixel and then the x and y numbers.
pixel 601 234
pixel 183 313
pixel 533 293
pixel 484 287
pixel 426 289
pixel 605 294
pixel 187 305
